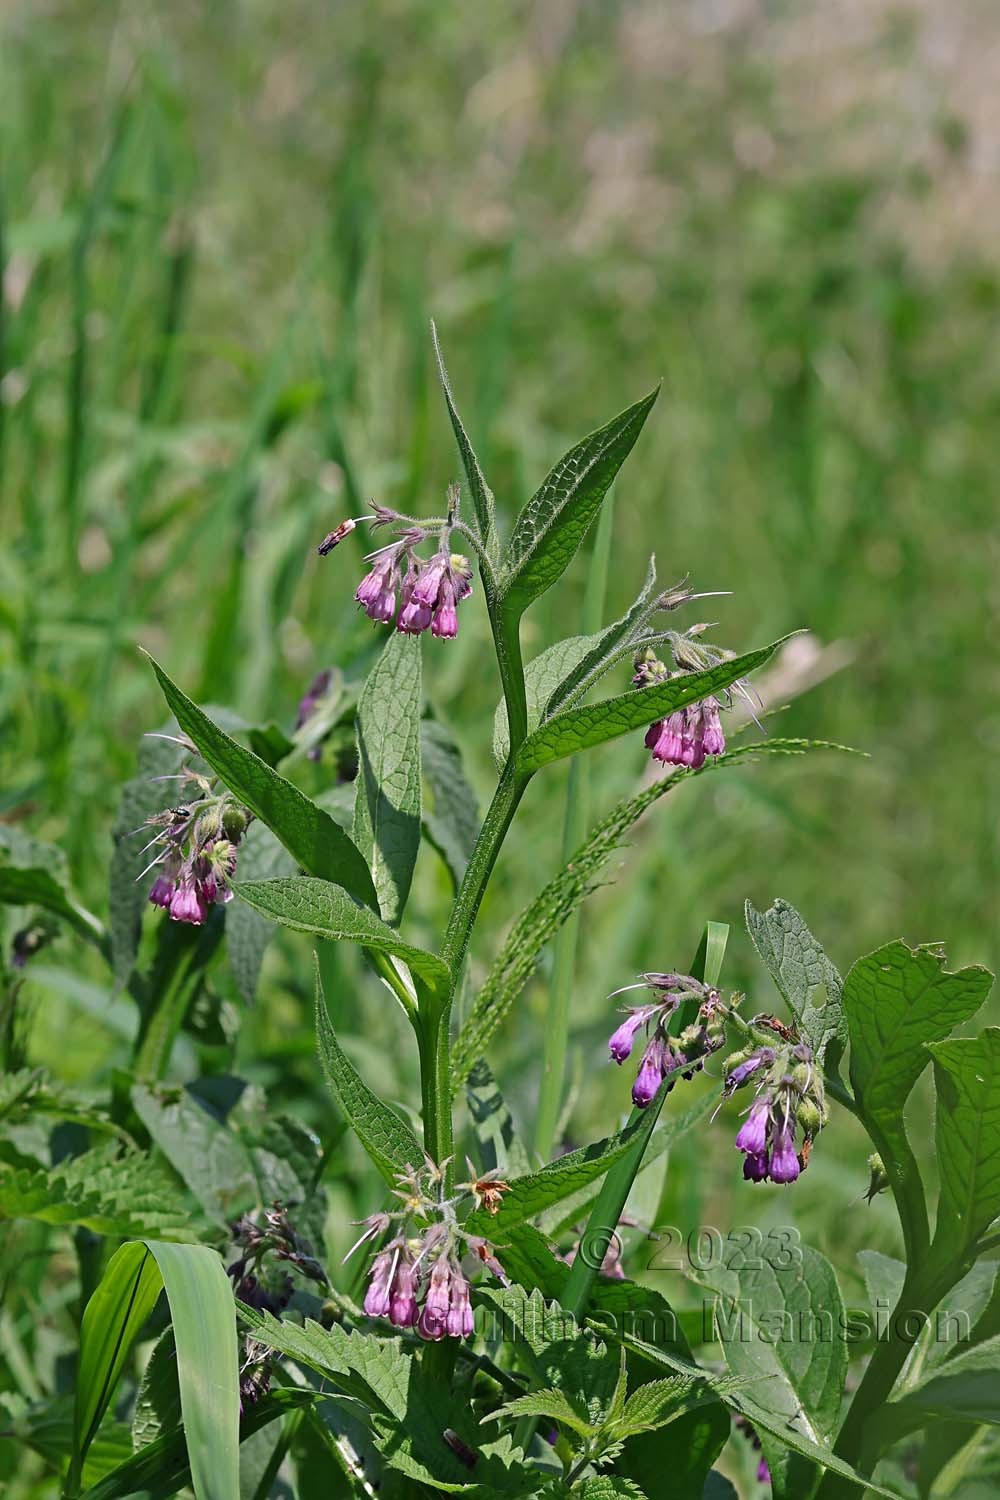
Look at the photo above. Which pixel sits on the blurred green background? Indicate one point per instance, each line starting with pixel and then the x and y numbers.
pixel 225 230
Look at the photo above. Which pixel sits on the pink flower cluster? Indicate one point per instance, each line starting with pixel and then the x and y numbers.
pixel 198 858
pixel 665 1055
pixel 429 591
pixel 687 737
pixel 397 1282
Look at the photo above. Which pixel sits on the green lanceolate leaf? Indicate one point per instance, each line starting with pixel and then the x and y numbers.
pixel 386 1137
pixel 203 1317
pixel 482 495
pixel 309 834
pixel 895 1000
pixel 568 669
pixel 967 1080
pixel 556 519
pixel 317 907
pixel 782 1329
pixel 387 804
pixel 453 823
pixel 532 1194
pixel 594 724
pixel 806 979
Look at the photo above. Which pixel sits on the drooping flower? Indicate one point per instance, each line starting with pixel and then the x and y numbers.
pixel 433 591
pixel 665 1055
pixel 790 1098
pixel 376 593
pixel 197 855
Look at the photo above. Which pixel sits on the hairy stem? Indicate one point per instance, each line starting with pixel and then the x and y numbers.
pixel 857 1442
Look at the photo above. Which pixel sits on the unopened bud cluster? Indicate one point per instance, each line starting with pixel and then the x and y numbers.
pixel 197 845
pixel 422 593
pixel 417 1278
pixel 790 1101
pixel 668 1057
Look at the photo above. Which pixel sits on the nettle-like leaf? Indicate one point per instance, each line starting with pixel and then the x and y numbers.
pixel 782 1330
pixel 895 1000
pixel 309 834
pixel 806 979
pixel 452 825
pixel 387 803
pixel 967 1080
pixel 386 1137
pixel 324 910
pixel 556 519
pixel 593 724
pixel 409 1413
pixel 108 1190
pixel 563 1354
pixel 569 669
pixel 261 857
pixel 34 874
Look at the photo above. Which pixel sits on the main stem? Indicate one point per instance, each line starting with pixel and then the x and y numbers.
pixel 855 1442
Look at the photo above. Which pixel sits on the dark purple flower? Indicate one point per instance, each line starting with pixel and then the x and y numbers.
pixel 763 1472
pixel 755 1167
pixel 622 1040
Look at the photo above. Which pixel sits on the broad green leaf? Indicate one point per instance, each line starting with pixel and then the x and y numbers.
pixel 386 1137
pixel 308 833
pixel 556 519
pixel 806 979
pixel 967 1080
pixel 563 1354
pixel 895 1000
pixel 782 1330
pixel 261 857
pixel 482 495
pixel 34 874
pixel 966 1387
pixel 563 1177
pixel 593 724
pixel 387 802
pixel 115 1314
pixel 212 1161
pixel 568 669
pixel 884 1277
pixel 161 1468
pixel 760 1415
pixel 322 909
pixel 106 1189
pixel 452 825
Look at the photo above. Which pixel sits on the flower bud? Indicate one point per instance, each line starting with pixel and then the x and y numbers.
pixel 234 821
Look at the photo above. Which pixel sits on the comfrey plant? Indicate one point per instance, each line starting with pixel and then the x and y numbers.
pixel 494 1329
